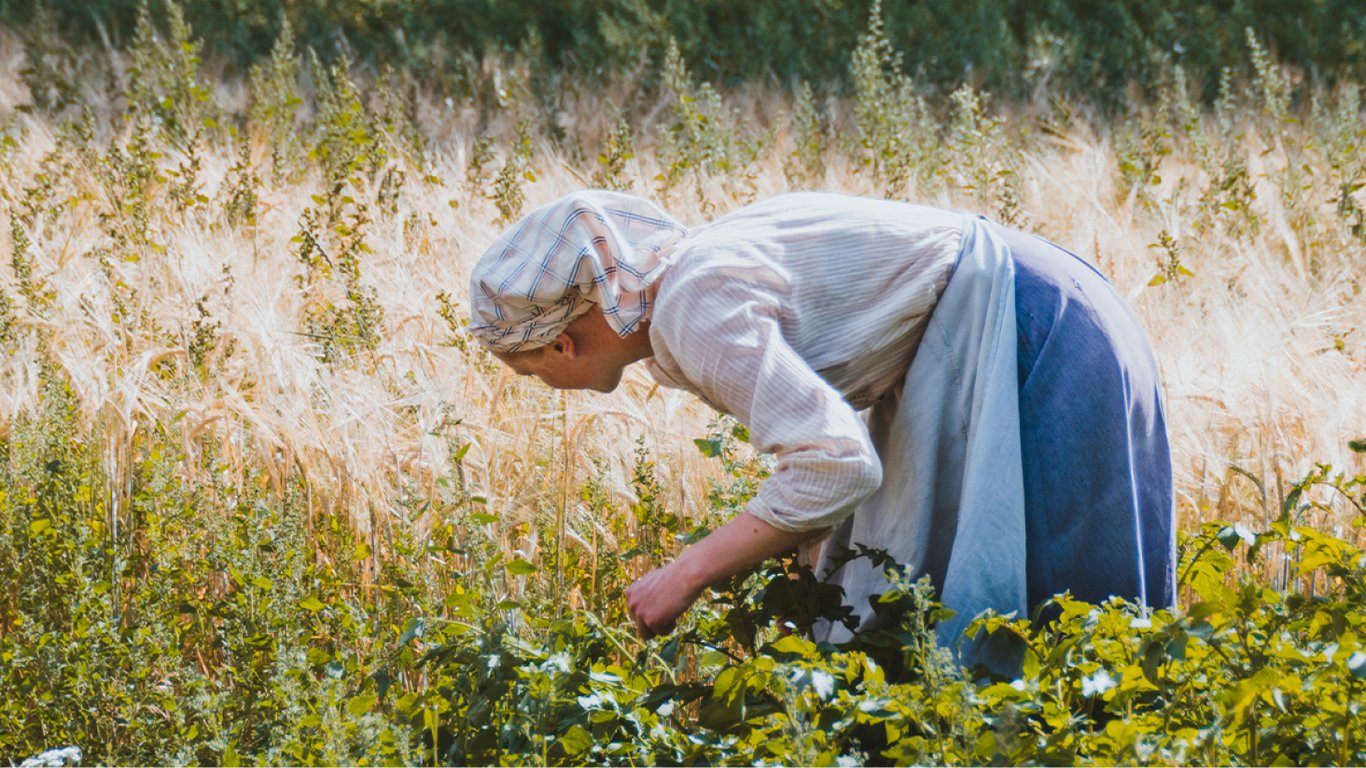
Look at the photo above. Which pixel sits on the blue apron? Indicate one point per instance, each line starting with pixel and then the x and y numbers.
pixel 1097 468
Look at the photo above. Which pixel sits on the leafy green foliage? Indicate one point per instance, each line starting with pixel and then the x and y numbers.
pixel 149 621
pixel 979 158
pixel 697 142
pixel 165 84
pixel 275 100
pixel 805 166
pixel 1091 48
pixel 507 192
pixel 617 151
pixel 893 134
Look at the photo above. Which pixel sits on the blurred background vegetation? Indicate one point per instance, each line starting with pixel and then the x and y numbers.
pixel 1091 48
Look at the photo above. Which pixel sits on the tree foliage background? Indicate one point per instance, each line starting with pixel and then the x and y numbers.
pixel 1093 47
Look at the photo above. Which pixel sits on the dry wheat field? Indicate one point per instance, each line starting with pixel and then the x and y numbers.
pixel 232 314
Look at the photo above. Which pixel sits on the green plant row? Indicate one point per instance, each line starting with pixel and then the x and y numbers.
pixel 1095 48
pixel 149 621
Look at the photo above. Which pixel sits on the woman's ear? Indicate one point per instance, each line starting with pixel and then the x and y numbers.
pixel 564 345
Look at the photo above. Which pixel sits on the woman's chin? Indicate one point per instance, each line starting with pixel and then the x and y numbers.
pixel 607 386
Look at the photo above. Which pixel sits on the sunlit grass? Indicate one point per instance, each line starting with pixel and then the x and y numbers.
pixel 1256 337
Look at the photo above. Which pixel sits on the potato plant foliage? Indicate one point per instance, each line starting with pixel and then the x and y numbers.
pixel 264 501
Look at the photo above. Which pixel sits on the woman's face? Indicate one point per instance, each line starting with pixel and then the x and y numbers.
pixel 559 370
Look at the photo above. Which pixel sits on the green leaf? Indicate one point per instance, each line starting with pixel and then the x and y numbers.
pixel 1357 445
pixel 1154 654
pixel 311 603
pixel 576 740
pixel 520 567
pixel 795 645
pixel 669 653
pixel 713 659
pixel 1230 534
pixel 728 684
pixel 36 527
pixel 361 704
pixel 414 628
pixel 710 447
pixel 262 582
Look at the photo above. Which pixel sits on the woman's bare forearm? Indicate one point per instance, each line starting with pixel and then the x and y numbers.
pixel 743 542
pixel 658 598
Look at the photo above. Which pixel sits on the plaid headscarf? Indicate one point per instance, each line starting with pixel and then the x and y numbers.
pixel 590 247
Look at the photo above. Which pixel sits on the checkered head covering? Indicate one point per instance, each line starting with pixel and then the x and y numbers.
pixel 590 247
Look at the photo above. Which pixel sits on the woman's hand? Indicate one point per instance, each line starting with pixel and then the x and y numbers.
pixel 657 599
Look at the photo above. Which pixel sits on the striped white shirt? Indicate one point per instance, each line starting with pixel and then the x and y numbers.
pixel 791 315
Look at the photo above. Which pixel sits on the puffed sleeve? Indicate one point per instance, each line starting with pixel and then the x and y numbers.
pixel 723 334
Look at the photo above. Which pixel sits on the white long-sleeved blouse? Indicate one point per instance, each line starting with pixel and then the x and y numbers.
pixel 791 315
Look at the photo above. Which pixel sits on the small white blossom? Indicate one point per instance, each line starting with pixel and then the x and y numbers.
pixel 1356 662
pixel 558 662
pixel 54 758
pixel 666 709
pixel 1097 684
pixel 1330 652
pixel 823 682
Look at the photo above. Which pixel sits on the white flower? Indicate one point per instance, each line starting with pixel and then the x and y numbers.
pixel 1357 663
pixel 823 682
pixel 666 709
pixel 557 661
pixel 1097 684
pixel 1330 652
pixel 54 758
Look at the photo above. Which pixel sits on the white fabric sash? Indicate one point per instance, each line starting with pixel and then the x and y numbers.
pixel 951 504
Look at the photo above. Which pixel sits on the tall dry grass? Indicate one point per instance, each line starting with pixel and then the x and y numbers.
pixel 1259 338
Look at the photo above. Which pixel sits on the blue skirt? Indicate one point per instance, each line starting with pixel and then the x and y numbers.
pixel 1099 517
